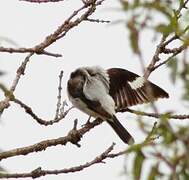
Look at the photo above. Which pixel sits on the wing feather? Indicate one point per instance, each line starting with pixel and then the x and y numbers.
pixel 128 89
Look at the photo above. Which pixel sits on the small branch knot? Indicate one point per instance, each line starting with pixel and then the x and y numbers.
pixel 36 173
pixel 74 135
pixel 21 70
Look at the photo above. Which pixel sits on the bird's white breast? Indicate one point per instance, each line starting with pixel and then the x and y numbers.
pixel 95 90
pixel 78 103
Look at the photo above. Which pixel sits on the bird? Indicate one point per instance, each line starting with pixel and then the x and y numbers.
pixel 101 93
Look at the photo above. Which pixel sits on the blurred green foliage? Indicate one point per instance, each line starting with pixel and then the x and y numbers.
pixel 162 17
pixel 166 145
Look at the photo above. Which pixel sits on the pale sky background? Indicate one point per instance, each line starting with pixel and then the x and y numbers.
pixel 88 44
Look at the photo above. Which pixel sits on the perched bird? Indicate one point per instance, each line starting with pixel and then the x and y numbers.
pixel 101 93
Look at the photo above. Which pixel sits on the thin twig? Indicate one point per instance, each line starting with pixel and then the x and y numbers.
pixel 162 45
pixel 41 146
pixel 38 172
pixel 175 52
pixel 59 33
pixel 67 25
pixel 74 136
pixel 182 6
pixel 41 121
pixel 28 50
pixel 155 59
pixel 163 158
pixel 155 115
pixel 20 71
pixel 97 20
pixel 58 106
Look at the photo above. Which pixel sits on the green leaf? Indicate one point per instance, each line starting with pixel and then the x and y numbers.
pixel 186 90
pixel 153 173
pixel 125 4
pixel 174 23
pixel 138 163
pixel 181 3
pixel 164 29
pixel 136 3
pixel 160 7
pixel 173 65
pixel 133 36
pixel 171 27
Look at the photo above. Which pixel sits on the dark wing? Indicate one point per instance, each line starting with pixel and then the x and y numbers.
pixel 128 89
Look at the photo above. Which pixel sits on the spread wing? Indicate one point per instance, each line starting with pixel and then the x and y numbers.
pixel 128 89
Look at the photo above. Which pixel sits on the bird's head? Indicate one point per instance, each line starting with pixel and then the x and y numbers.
pixel 85 74
pixel 77 80
pixel 79 76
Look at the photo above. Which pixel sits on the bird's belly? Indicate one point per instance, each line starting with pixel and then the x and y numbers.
pixel 78 103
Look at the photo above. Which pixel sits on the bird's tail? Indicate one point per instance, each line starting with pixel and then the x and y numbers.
pixel 121 131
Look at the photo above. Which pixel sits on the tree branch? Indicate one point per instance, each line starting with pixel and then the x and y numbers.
pixel 60 113
pixel 155 59
pixel 38 172
pixel 175 52
pixel 58 106
pixel 97 20
pixel 161 48
pixel 74 136
pixel 155 115
pixel 59 33
pixel 28 50
pixel 41 121
pixel 20 71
